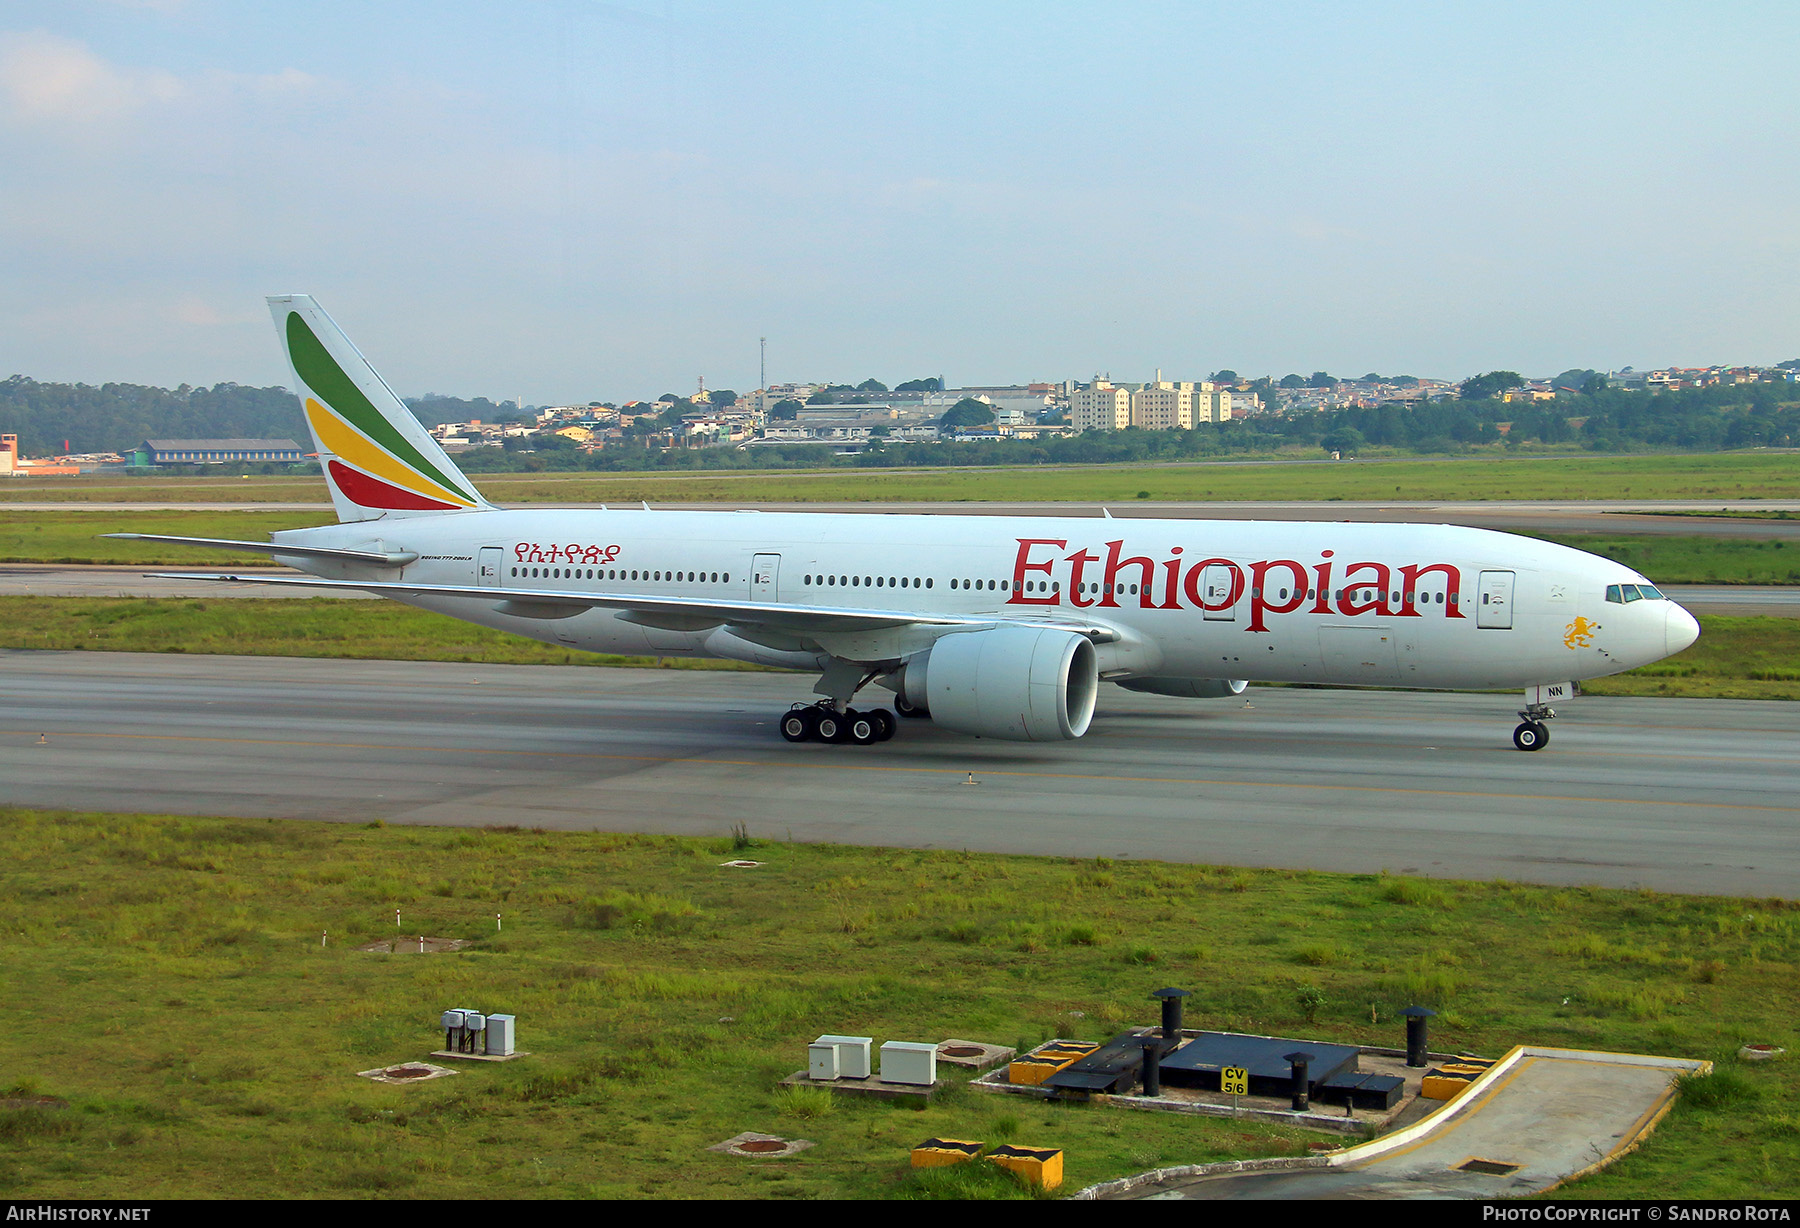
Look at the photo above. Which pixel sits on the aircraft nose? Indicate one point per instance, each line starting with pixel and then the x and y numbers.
pixel 1679 630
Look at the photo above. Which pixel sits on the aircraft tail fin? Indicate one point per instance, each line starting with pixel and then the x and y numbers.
pixel 378 460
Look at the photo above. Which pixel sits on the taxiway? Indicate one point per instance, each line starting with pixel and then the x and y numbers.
pixel 1676 795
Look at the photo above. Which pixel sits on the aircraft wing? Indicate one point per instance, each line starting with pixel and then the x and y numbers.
pixel 677 613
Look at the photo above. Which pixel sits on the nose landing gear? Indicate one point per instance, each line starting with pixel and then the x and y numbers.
pixel 1533 734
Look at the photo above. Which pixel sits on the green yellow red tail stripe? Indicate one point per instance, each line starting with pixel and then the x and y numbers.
pixel 377 457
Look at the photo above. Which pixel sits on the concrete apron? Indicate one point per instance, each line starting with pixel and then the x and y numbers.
pixel 1556 1114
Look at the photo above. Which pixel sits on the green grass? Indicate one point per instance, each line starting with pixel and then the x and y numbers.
pixel 1735 658
pixel 166 979
pixel 74 536
pixel 285 627
pixel 1728 475
pixel 1694 560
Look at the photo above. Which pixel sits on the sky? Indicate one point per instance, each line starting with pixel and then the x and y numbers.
pixel 573 201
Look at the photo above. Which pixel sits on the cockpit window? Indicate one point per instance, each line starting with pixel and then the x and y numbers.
pixel 1614 595
pixel 1650 593
pixel 1632 594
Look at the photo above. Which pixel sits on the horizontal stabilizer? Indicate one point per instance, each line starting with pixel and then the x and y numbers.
pixel 389 558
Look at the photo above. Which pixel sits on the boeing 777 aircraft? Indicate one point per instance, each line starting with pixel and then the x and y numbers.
pixel 1000 627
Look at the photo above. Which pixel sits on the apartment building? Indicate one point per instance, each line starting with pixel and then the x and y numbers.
pixel 1100 406
pixel 1163 406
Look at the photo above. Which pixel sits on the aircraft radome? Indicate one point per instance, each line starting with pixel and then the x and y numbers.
pixel 1000 627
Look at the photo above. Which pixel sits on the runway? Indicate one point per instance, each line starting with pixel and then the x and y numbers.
pixel 1676 795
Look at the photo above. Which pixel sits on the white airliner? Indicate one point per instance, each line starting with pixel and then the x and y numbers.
pixel 1000 627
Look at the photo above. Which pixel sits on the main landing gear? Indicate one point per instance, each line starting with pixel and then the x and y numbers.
pixel 824 723
pixel 1533 734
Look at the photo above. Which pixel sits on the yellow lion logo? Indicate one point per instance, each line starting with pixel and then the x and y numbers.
pixel 1579 634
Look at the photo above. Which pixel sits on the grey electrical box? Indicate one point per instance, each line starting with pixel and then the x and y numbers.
pixel 500 1035
pixel 822 1062
pixel 452 1019
pixel 852 1055
pixel 905 1061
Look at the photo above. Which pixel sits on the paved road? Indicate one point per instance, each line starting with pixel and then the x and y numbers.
pixel 1680 795
pixel 1542 1115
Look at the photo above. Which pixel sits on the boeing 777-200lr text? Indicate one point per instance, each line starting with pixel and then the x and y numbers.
pixel 996 626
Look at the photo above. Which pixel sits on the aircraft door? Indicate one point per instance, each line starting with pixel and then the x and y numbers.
pixel 1496 600
pixel 489 567
pixel 765 578
pixel 1221 585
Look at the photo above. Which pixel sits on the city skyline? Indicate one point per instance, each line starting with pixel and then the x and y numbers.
pixel 603 202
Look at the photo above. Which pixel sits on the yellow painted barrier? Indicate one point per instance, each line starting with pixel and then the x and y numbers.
pixel 1039 1165
pixel 1045 1061
pixel 937 1152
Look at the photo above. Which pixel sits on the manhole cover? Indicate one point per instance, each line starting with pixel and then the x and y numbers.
pixel 406 1072
pixel 1494 1168
pixel 751 1145
pixel 962 1051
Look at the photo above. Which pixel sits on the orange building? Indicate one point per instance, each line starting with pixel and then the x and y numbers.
pixel 12 465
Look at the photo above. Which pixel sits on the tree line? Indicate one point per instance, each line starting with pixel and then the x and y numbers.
pixel 113 417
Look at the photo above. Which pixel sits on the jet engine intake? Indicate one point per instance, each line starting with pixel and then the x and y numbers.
pixel 1023 684
pixel 1186 688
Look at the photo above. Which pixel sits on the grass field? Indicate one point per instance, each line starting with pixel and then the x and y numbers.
pixel 1735 658
pixel 74 537
pixel 1729 475
pixel 168 982
pixel 283 627
pixel 1694 560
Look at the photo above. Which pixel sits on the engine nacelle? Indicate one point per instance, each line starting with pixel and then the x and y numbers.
pixel 1024 684
pixel 1186 688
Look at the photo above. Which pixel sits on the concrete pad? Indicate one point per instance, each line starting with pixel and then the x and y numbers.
pixel 1540 1116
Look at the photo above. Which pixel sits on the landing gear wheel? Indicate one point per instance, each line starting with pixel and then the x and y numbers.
pixel 800 724
pixel 907 709
pixel 1531 735
pixel 884 724
pixel 861 728
pixel 831 727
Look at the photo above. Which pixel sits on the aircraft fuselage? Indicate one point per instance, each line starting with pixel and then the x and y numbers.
pixel 1430 606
